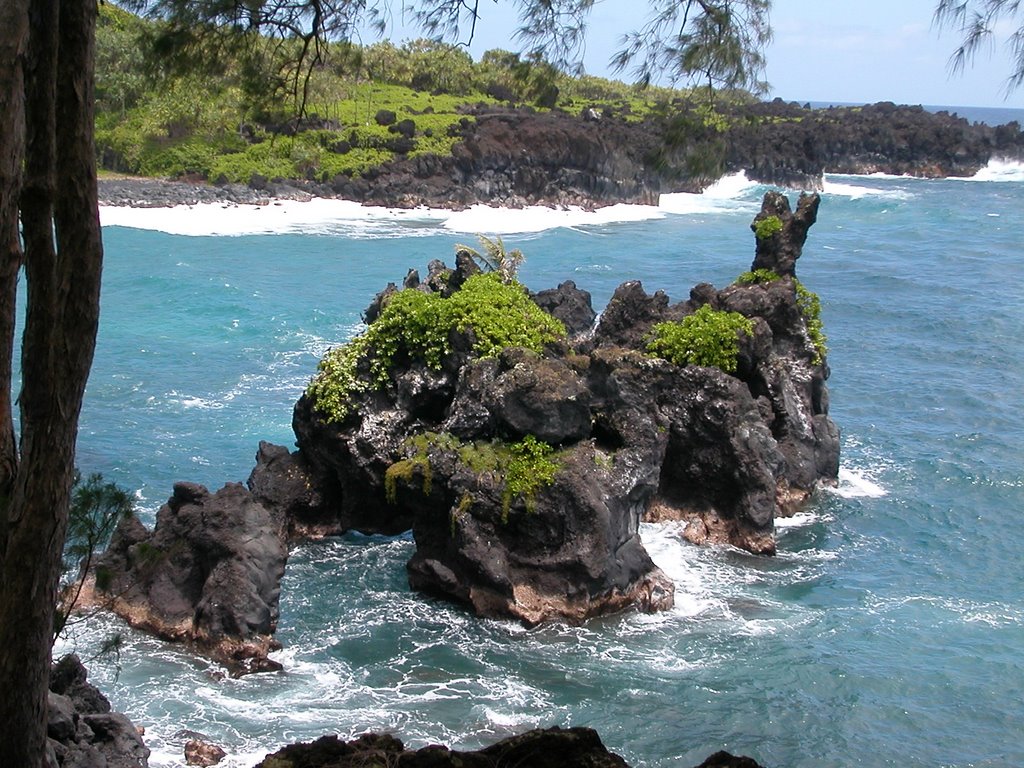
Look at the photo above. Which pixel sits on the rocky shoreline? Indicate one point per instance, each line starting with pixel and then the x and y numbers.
pixel 516 157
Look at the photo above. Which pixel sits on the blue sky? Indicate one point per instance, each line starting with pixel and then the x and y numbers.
pixel 824 50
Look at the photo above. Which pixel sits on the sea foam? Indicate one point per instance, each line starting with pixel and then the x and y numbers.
pixel 1001 170
pixel 345 217
pixel 856 484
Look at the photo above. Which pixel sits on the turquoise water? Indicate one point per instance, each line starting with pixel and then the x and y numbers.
pixel 888 631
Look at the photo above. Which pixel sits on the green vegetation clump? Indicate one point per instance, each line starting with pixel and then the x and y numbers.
pixel 405 469
pixel 337 378
pixel 758 277
pixel 415 326
pixel 524 467
pixel 532 466
pixel 767 227
pixel 708 337
pixel 810 305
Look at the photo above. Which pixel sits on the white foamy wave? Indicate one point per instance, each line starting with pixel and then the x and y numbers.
pixel 667 549
pixel 858 191
pixel 798 520
pixel 1001 171
pixel 730 187
pixel 727 194
pixel 352 219
pixel 316 216
pixel 504 719
pixel 199 403
pixel 857 484
pixel 485 218
pixel 326 216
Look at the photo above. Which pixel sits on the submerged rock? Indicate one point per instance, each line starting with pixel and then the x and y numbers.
pixel 202 753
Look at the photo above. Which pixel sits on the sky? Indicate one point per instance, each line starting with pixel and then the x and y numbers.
pixel 842 51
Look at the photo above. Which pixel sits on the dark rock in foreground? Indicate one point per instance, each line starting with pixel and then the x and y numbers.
pixel 547 748
pixel 209 574
pixel 82 731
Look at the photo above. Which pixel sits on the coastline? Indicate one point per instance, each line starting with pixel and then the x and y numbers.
pixel 196 209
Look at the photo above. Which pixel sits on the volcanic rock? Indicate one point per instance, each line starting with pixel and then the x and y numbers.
pixel 570 305
pixel 635 438
pixel 523 476
pixel 82 731
pixel 541 748
pixel 208 574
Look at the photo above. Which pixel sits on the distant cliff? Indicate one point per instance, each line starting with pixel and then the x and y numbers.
pixel 519 156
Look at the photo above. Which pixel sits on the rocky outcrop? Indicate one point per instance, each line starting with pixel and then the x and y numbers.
pixel 632 436
pixel 570 305
pixel 745 448
pixel 82 731
pixel 517 157
pixel 282 482
pixel 545 748
pixel 778 251
pixel 524 473
pixel 792 146
pixel 208 574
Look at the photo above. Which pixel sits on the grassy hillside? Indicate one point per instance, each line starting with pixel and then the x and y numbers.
pixel 240 117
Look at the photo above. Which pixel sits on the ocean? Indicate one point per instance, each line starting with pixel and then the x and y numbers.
pixel 889 630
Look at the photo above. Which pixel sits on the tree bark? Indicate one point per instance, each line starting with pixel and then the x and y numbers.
pixel 63 260
pixel 13 42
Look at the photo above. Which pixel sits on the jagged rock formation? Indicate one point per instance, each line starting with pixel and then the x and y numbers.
pixel 208 574
pixel 636 436
pixel 545 748
pixel 523 474
pixel 82 731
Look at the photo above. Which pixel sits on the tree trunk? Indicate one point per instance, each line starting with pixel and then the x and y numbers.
pixel 13 40
pixel 63 258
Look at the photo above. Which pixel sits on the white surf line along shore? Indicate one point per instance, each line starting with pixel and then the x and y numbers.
pixel 330 216
pixel 321 215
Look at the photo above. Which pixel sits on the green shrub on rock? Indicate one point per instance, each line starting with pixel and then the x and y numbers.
pixel 414 326
pixel 524 467
pixel 810 306
pixel 532 466
pixel 766 227
pixel 808 301
pixel 707 337
pixel 758 277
